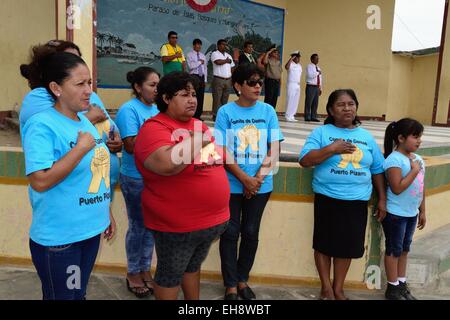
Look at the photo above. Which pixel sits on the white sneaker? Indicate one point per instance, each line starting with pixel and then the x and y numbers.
pixel 292 119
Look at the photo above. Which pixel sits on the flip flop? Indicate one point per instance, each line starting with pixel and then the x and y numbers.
pixel 135 291
pixel 150 288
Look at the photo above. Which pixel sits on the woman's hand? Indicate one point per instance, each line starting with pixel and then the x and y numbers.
pixel 252 184
pixel 247 194
pixel 381 210
pixel 341 146
pixel 95 114
pixel 114 145
pixel 110 232
pixel 422 220
pixel 85 141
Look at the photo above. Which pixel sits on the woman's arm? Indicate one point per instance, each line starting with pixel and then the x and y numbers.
pixel 162 160
pixel 43 180
pixel 252 184
pixel 315 157
pixel 129 143
pixel 380 186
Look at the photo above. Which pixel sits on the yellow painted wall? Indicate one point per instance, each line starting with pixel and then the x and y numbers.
pixel 62 15
pixel 400 81
pixel 412 83
pixel 83 36
pixel 423 88
pixel 23 23
pixel 444 90
pixel 351 55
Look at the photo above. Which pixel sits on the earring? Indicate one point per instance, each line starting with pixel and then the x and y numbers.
pixel 239 93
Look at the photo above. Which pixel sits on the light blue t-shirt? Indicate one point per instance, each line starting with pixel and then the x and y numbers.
pixel 407 203
pixel 130 118
pixel 247 132
pixel 77 208
pixel 345 176
pixel 38 100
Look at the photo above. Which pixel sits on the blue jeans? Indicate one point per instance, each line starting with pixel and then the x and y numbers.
pixel 245 220
pixel 139 240
pixel 65 270
pixel 398 232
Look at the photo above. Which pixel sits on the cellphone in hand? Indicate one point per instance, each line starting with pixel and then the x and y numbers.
pixel 111 133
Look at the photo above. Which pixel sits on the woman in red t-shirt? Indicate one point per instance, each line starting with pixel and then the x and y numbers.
pixel 186 190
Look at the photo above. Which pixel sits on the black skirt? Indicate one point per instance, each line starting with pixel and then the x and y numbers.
pixel 339 227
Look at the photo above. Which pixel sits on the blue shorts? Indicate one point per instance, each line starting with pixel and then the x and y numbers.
pixel 398 232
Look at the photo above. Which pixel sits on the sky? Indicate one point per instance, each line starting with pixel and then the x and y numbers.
pixel 417 24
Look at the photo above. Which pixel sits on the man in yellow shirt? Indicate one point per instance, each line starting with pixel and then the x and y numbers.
pixel 172 55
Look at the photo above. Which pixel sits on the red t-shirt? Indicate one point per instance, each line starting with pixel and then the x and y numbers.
pixel 194 199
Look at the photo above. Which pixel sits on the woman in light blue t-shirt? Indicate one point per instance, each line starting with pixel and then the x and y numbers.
pixel 347 161
pixel 249 132
pixel 139 241
pixel 68 167
pixel 38 100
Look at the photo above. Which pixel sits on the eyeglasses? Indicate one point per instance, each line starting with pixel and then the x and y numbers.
pixel 253 83
pixel 173 37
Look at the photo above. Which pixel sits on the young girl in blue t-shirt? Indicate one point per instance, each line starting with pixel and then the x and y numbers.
pixel 405 173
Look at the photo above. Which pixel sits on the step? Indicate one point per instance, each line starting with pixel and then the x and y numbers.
pixel 444 282
pixel 429 258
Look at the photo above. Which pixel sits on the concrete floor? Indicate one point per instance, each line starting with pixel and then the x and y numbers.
pixel 24 284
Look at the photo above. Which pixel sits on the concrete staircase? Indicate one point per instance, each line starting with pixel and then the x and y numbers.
pixel 429 262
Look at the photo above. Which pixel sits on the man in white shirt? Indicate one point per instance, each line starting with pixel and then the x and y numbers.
pixel 198 68
pixel 293 85
pixel 314 85
pixel 223 66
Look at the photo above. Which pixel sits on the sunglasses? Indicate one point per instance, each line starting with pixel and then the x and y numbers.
pixel 253 83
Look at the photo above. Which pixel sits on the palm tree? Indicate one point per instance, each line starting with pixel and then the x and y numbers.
pixel 119 42
pixel 101 37
pixel 111 39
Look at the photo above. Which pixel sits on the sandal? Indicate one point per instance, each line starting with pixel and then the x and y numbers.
pixel 149 285
pixel 136 292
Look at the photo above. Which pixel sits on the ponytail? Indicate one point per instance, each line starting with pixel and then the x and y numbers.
pixel 389 137
pixel 403 127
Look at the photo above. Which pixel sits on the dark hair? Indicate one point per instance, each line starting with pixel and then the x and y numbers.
pixel 171 84
pixel 313 56
pixel 404 127
pixel 32 71
pixel 139 76
pixel 273 46
pixel 62 45
pixel 56 67
pixel 244 72
pixel 171 33
pixel 196 41
pixel 221 41
pixel 247 43
pixel 334 96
